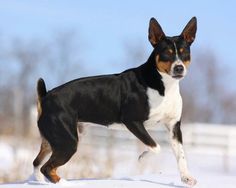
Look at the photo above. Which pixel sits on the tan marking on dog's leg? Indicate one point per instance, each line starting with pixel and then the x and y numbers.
pixel 53 174
pixel 50 172
pixel 59 157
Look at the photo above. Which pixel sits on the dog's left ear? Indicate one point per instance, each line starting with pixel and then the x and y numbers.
pixel 155 33
pixel 189 31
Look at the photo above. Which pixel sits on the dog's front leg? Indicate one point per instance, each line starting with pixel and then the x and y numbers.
pixel 177 146
pixel 138 129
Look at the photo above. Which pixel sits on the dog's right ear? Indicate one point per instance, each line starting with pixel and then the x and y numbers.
pixel 155 33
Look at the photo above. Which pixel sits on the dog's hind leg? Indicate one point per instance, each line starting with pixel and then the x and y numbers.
pixel 58 158
pixel 64 143
pixel 138 129
pixel 45 149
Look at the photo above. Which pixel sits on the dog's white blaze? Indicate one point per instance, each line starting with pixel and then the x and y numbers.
pixel 176 51
pixel 178 61
pixel 165 109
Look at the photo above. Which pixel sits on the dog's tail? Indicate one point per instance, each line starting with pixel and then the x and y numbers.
pixel 41 91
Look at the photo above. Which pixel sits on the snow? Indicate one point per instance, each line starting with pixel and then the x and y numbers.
pixel 6 159
pixel 211 169
pixel 155 180
pixel 206 169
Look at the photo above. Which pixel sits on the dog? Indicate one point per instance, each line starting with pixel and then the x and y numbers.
pixel 135 99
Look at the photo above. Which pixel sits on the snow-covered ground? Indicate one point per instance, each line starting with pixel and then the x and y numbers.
pixel 156 181
pixel 208 170
pixel 118 160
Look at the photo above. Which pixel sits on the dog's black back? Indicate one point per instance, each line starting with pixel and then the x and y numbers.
pixel 104 99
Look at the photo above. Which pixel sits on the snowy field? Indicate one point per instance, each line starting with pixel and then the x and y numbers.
pixel 205 180
pixel 115 164
pixel 157 181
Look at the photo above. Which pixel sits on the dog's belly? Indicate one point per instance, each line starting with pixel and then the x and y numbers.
pixel 113 126
pixel 149 124
pixel 117 126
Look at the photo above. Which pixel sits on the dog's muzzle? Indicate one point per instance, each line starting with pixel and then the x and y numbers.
pixel 178 71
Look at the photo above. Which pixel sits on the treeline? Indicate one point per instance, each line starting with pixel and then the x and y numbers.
pixel 207 93
pixel 22 63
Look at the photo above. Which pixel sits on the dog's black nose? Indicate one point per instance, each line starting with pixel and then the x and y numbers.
pixel 178 69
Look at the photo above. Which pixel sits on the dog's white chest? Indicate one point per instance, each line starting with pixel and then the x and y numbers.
pixel 166 108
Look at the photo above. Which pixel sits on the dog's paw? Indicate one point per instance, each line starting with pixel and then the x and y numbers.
pixel 188 180
pixel 37 175
pixel 155 149
pixel 142 155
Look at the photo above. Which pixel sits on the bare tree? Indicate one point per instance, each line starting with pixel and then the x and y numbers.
pixel 25 58
pixel 22 63
pixel 64 57
pixel 205 96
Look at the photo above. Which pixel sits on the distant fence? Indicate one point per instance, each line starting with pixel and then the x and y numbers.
pixel 198 137
pixel 202 137
pixel 212 139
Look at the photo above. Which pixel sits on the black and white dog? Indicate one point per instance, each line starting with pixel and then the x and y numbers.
pixel 136 99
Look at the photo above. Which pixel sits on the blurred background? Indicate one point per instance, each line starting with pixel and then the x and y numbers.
pixel 63 40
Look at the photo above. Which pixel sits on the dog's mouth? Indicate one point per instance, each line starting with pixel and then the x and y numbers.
pixel 178 77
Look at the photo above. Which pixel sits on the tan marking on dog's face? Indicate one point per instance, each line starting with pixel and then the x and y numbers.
pixel 170 51
pixel 163 66
pixel 186 63
pixel 181 50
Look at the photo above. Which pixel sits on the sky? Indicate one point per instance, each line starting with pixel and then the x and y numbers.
pixel 104 26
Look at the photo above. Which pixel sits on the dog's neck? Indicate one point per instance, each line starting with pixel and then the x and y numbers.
pixel 156 79
pixel 151 77
pixel 169 82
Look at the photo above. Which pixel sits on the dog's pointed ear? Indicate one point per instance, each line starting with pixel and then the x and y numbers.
pixel 190 30
pixel 155 33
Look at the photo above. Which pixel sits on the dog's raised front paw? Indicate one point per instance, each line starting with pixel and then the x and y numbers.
pixel 189 180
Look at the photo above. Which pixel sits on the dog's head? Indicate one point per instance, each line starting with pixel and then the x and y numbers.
pixel 172 54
